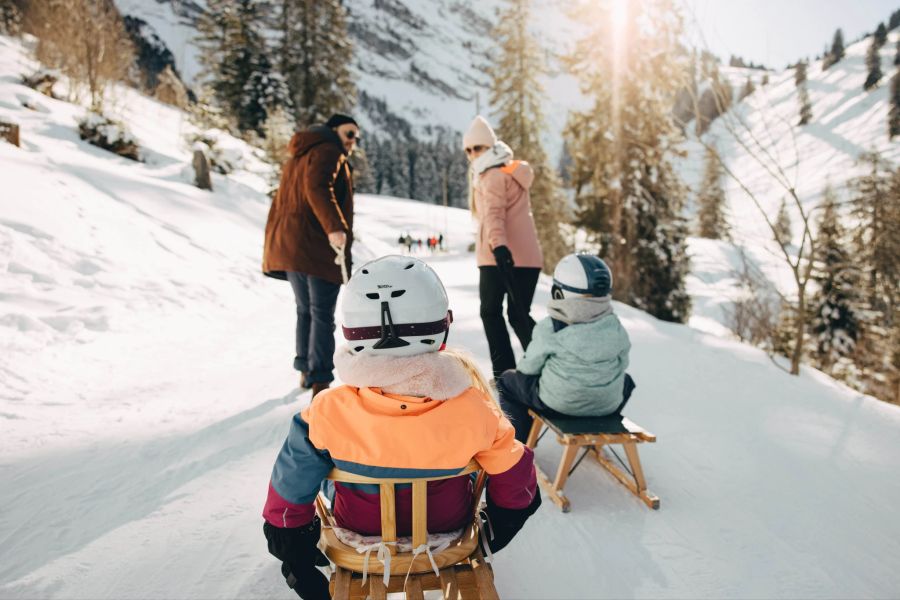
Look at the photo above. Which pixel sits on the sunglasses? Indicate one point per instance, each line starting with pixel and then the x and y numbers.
pixel 475 149
pixel 353 135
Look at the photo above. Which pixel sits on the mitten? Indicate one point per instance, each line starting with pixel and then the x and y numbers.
pixel 296 548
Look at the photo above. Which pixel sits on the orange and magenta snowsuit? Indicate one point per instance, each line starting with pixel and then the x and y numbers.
pixel 369 432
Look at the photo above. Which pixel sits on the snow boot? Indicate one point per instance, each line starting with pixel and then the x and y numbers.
pixel 318 387
pixel 304 384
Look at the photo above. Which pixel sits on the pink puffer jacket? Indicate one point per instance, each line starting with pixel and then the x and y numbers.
pixel 503 212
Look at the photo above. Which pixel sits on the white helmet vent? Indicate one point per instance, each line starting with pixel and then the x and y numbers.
pixel 393 303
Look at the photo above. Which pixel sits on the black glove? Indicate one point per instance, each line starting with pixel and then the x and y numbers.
pixel 504 260
pixel 296 548
pixel 505 523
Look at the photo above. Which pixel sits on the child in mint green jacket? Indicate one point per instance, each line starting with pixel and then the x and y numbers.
pixel 575 364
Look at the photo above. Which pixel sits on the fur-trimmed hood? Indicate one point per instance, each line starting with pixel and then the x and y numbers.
pixel 433 375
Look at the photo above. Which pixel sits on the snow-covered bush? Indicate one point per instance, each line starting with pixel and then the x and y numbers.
pixel 42 81
pixel 103 132
pixel 223 157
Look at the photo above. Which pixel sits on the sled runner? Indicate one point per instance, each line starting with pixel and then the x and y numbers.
pixel 591 434
pixel 456 567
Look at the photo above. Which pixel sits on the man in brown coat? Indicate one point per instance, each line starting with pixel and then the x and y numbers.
pixel 309 233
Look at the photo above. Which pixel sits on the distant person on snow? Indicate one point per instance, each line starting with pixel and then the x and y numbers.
pixel 309 234
pixel 575 365
pixel 408 406
pixel 506 247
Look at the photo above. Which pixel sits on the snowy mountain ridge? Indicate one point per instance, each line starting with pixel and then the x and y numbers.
pixel 758 138
pixel 426 60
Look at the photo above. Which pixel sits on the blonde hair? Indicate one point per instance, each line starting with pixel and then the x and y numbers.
pixel 479 382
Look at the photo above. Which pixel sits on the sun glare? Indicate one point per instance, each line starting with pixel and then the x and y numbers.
pixel 619 16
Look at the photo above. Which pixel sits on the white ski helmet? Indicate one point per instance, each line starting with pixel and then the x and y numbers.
pixel 396 305
pixel 581 275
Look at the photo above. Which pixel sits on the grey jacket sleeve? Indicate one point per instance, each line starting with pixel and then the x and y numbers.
pixel 539 350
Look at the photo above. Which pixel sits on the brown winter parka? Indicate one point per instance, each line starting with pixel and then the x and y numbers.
pixel 314 198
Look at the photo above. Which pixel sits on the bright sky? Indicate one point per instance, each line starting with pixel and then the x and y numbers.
pixel 778 32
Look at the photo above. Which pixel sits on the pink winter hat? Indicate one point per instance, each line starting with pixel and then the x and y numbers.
pixel 479 134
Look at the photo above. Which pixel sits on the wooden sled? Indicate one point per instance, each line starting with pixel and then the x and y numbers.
pixel 592 433
pixel 463 572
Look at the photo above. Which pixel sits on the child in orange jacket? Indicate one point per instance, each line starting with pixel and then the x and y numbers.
pixel 406 410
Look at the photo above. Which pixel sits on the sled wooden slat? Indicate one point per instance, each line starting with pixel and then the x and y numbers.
pixel 462 571
pixel 484 577
pixel 377 590
pixel 577 435
pixel 449 584
pixel 420 514
pixel 465 578
pixel 388 515
pixel 341 585
pixel 414 588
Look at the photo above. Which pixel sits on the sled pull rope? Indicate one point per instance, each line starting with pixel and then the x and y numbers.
pixel 543 433
pixel 621 462
pixel 581 458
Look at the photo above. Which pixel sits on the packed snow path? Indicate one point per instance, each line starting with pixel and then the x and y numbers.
pixel 145 389
pixel 771 486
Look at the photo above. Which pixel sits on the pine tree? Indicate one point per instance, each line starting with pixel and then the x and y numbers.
pixel 894 113
pixel 235 54
pixel 748 89
pixel 880 36
pixel 800 73
pixel 805 106
pixel 802 93
pixel 836 53
pixel 628 194
pixel 213 30
pixel 876 210
pixel 316 55
pixel 876 248
pixel 894 21
pixel 834 325
pixel 516 94
pixel 783 232
pixel 711 200
pixel 873 64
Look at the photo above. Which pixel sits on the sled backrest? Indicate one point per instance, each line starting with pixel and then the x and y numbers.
pixel 419 499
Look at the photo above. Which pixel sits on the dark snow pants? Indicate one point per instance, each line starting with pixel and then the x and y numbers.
pixel 518 392
pixel 492 289
pixel 316 301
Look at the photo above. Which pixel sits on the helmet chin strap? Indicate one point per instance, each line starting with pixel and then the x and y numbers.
pixel 389 337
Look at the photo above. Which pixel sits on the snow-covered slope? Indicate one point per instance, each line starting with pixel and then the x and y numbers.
pixel 146 386
pixel 846 122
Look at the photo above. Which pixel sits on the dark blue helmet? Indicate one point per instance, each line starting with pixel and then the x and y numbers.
pixel 581 275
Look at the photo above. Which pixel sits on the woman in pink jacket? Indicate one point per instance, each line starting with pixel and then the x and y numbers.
pixel 506 246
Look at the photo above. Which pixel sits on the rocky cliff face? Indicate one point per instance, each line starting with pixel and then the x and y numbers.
pixel 420 61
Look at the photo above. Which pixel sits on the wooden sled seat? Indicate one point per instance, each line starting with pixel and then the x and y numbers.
pixel 592 433
pixel 462 572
